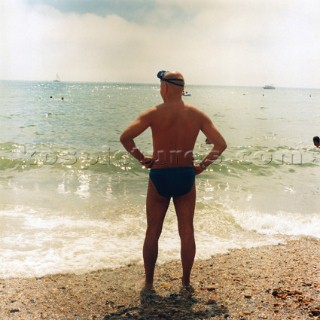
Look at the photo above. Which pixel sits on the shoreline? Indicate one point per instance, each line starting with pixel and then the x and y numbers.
pixel 267 282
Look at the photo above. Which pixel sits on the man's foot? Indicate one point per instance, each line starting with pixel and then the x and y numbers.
pixel 187 288
pixel 187 293
pixel 147 294
pixel 141 285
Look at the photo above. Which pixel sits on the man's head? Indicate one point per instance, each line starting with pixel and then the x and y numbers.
pixel 172 77
pixel 172 84
pixel 316 141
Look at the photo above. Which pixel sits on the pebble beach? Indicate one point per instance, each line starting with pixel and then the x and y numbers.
pixel 268 282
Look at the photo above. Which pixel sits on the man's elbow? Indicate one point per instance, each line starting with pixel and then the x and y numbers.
pixel 222 146
pixel 126 140
pixel 122 139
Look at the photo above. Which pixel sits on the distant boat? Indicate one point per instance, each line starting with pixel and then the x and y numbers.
pixel 269 87
pixel 186 94
pixel 57 79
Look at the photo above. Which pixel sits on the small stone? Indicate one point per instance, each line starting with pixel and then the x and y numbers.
pixel 211 288
pixel 246 313
pixel 211 301
pixel 315 312
pixel 14 310
pixel 166 285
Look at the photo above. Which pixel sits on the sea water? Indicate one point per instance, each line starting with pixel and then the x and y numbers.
pixel 72 200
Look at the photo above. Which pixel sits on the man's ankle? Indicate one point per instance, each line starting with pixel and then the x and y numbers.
pixel 148 285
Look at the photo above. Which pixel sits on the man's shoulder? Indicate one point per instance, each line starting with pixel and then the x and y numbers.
pixel 149 112
pixel 191 107
pixel 194 110
pixel 198 115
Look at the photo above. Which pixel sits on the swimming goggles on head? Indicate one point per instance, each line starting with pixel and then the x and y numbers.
pixel 175 81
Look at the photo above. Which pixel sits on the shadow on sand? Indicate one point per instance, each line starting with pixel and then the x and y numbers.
pixel 181 306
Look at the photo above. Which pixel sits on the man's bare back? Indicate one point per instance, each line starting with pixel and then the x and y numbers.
pixel 175 127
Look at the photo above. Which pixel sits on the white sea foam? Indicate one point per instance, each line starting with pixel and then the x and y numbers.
pixel 41 242
pixel 280 223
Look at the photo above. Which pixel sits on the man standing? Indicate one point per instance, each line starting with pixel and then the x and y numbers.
pixel 175 127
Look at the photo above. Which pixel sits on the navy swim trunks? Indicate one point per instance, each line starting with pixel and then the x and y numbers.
pixel 173 182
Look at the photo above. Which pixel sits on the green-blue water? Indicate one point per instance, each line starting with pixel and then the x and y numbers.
pixel 71 199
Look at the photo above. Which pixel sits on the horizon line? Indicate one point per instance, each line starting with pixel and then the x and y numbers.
pixel 156 83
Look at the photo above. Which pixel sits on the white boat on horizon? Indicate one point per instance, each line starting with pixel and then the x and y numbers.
pixel 269 86
pixel 57 79
pixel 186 94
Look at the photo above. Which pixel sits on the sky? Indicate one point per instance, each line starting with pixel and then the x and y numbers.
pixel 212 42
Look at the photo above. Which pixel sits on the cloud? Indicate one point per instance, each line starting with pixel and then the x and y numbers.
pixel 224 42
pixel 129 9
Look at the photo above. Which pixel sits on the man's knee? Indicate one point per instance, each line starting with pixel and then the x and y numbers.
pixel 186 233
pixel 153 233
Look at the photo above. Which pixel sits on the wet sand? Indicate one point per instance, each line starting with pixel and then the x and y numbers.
pixel 269 282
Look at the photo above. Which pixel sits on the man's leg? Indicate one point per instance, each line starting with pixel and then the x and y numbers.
pixel 185 206
pixel 157 206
